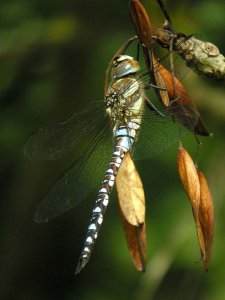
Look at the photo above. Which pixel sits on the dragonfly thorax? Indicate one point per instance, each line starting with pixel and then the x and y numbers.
pixel 124 99
pixel 124 89
pixel 124 65
pixel 125 95
pixel 116 109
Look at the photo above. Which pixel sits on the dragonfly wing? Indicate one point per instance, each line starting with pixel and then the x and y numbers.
pixel 79 180
pixel 54 141
pixel 157 133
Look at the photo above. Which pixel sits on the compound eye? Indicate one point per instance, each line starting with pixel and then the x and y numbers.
pixel 124 65
pixel 118 60
pixel 121 59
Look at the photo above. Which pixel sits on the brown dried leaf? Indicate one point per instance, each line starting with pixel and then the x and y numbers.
pixel 183 108
pixel 142 27
pixel 136 241
pixel 189 178
pixel 132 210
pixel 206 218
pixel 160 82
pixel 196 187
pixel 141 22
pixel 130 192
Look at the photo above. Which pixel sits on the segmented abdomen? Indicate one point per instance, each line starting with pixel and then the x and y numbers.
pixel 125 137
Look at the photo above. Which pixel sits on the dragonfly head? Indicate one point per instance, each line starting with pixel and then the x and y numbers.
pixel 124 65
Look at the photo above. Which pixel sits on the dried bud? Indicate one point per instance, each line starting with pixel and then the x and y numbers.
pixel 130 192
pixel 136 241
pixel 196 187
pixel 206 218
pixel 183 108
pixel 189 178
pixel 141 22
pixel 160 82
pixel 132 211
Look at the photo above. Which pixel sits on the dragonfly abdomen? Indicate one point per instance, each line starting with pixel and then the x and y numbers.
pixel 125 137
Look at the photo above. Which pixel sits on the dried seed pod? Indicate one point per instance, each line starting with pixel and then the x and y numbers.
pixel 196 187
pixel 159 80
pixel 132 210
pixel 130 192
pixel 136 241
pixel 189 178
pixel 206 218
pixel 141 22
pixel 183 108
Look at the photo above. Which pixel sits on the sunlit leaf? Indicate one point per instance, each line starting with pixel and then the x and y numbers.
pixel 206 218
pixel 189 178
pixel 196 187
pixel 185 111
pixel 132 210
pixel 130 192
pixel 136 241
pixel 141 22
pixel 160 82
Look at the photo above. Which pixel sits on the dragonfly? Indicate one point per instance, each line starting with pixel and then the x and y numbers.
pixel 123 122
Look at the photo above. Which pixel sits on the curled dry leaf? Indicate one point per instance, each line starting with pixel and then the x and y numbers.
pixel 196 187
pixel 132 211
pixel 183 108
pixel 136 241
pixel 130 192
pixel 141 22
pixel 142 27
pixel 158 79
pixel 206 218
pixel 189 178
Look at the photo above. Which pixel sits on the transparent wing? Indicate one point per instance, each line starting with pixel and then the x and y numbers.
pixel 80 179
pixel 157 133
pixel 54 141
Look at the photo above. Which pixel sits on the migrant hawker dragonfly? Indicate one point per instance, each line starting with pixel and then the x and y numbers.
pixel 114 125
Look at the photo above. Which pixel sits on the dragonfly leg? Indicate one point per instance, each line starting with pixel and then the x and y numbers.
pixel 199 143
pixel 174 100
pixel 153 107
pixel 138 51
pixel 150 85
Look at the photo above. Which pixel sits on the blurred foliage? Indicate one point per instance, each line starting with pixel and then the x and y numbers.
pixel 53 56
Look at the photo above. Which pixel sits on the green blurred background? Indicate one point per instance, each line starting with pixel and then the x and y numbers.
pixel 53 56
